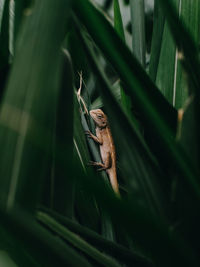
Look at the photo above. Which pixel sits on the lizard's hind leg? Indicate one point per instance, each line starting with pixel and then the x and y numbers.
pixel 104 166
pixel 107 164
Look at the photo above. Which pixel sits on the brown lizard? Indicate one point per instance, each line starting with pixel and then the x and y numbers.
pixel 107 149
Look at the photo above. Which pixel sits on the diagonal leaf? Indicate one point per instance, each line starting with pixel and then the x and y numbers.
pixel 76 240
pixel 16 250
pixel 45 248
pixel 114 249
pixel 86 207
pixel 107 229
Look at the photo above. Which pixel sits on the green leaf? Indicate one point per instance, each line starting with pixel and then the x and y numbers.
pixel 86 208
pixel 4 34
pixel 138 30
pixel 166 72
pixel 118 24
pixel 28 107
pixel 97 103
pixel 45 248
pixel 17 251
pixel 63 185
pixel 5 260
pixel 114 249
pixel 190 15
pixel 158 27
pixel 107 229
pixel 4 41
pixel 76 241
pixel 19 15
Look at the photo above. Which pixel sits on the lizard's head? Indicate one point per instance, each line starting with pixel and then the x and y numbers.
pixel 99 117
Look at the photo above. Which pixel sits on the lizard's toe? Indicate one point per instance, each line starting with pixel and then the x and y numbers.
pixel 93 163
pixel 102 169
pixel 87 132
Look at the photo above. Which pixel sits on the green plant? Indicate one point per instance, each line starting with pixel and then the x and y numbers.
pixel 55 209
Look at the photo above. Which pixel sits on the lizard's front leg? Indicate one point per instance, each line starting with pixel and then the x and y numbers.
pixel 98 140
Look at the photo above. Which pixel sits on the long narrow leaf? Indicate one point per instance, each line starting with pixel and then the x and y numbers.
pixel 107 229
pixel 118 25
pixel 85 208
pixel 63 186
pixel 4 41
pixel 28 107
pixel 76 241
pixel 40 243
pixel 138 30
pixel 115 250
pixel 159 20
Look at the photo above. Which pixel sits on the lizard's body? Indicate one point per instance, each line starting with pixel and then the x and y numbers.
pixel 107 149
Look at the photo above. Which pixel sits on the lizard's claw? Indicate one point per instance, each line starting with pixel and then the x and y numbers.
pixel 93 163
pixel 102 169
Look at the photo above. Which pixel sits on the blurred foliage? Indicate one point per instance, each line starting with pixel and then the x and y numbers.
pixel 139 62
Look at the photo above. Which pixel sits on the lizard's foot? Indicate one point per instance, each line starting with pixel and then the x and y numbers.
pixel 88 133
pixel 99 164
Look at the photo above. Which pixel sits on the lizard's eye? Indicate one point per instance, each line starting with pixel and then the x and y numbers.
pixel 99 116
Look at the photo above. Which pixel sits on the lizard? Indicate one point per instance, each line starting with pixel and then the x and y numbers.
pixel 107 149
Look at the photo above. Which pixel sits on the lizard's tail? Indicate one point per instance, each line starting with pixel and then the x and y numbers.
pixel 114 183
